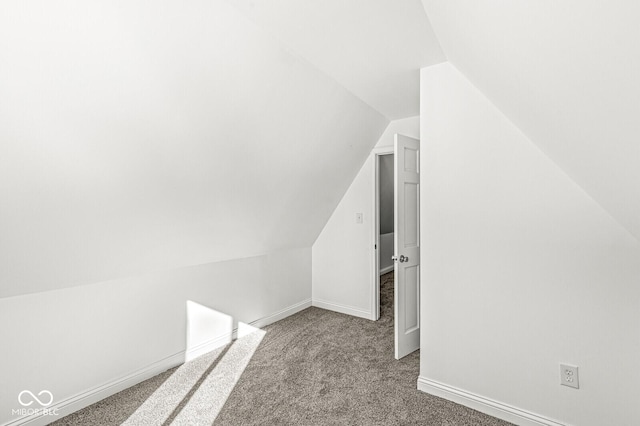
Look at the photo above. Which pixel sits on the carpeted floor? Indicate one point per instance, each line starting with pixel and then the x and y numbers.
pixel 314 368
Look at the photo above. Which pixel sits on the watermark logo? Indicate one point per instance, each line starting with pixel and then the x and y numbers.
pixel 26 398
pixel 33 397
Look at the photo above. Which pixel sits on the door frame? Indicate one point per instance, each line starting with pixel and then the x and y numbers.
pixel 375 261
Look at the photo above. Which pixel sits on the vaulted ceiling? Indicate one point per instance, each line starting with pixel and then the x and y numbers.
pixel 140 136
pixel 568 75
pixel 374 48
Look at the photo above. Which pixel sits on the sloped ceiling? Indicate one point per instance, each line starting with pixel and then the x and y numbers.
pixel 567 74
pixel 374 48
pixel 138 136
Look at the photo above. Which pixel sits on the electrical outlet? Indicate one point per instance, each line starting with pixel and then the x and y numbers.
pixel 569 376
pixel 358 217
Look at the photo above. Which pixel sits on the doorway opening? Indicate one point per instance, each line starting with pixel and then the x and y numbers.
pixel 404 283
pixel 385 234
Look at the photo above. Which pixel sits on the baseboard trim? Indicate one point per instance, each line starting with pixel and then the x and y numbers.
pixel 277 316
pixel 343 309
pixel 209 345
pixel 91 396
pixel 215 343
pixel 98 393
pixel 385 270
pixel 488 406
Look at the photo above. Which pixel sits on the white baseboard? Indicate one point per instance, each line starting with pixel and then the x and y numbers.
pixel 343 309
pixel 91 396
pixel 98 393
pixel 385 270
pixel 213 344
pixel 209 345
pixel 277 316
pixel 488 406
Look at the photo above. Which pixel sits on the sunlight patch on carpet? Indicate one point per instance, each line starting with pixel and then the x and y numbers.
pixel 196 392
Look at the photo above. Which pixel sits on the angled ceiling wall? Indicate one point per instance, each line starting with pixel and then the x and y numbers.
pixel 566 73
pixel 374 48
pixel 141 136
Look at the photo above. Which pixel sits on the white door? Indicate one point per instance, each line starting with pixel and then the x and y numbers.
pixel 407 245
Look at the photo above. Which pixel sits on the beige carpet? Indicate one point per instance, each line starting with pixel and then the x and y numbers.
pixel 314 368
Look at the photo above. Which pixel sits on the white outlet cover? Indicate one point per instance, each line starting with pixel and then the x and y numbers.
pixel 569 376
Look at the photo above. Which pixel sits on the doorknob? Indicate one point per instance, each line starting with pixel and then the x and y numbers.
pixel 402 258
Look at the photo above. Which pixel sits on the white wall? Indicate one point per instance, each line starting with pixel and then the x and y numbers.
pixel 73 340
pixel 342 254
pixel 137 139
pixel 386 251
pixel 409 126
pixel 521 269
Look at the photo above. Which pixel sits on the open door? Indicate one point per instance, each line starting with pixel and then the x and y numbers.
pixel 407 245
